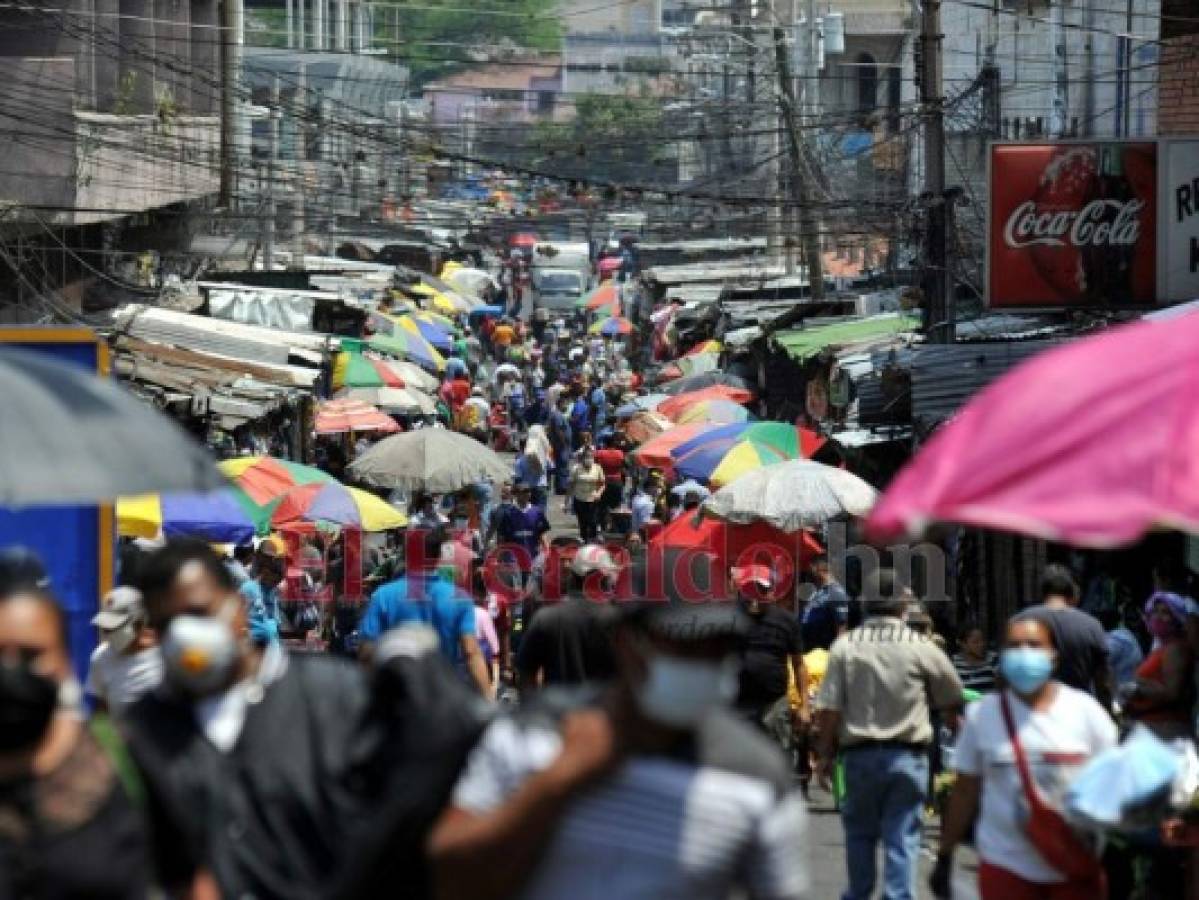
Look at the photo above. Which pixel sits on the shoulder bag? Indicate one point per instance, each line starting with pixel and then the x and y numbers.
pixel 1048 830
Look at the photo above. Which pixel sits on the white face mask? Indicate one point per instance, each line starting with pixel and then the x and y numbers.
pixel 679 692
pixel 199 653
pixel 121 639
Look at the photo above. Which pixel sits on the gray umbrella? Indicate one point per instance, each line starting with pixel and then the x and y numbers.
pixel 429 459
pixel 68 436
pixel 704 380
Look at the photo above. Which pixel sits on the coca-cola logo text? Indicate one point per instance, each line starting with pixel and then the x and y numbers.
pixel 1093 225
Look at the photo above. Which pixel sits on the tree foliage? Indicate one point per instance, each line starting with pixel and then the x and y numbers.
pixel 437 37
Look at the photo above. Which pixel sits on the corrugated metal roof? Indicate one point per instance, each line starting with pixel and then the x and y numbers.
pixel 945 376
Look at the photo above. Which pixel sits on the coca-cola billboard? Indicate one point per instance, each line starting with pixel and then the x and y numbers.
pixel 1073 224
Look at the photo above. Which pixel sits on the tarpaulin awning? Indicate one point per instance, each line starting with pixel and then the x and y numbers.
pixel 802 343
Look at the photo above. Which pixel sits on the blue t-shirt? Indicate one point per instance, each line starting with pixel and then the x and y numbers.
pixel 426 598
pixel 455 367
pixel 262 609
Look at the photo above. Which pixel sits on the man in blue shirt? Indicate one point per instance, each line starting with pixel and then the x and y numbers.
pixel 261 592
pixel 455 365
pixel 424 596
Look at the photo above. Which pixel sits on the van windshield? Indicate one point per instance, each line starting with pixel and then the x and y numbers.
pixel 561 282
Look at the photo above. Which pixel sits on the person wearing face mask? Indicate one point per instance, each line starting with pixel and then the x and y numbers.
pixel 127 664
pixel 1162 693
pixel 72 828
pixel 652 788
pixel 1058 729
pixel 246 752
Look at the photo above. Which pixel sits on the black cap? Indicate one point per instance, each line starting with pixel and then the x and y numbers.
pixel 21 570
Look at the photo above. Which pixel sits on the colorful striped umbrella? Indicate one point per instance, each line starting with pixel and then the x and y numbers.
pixel 393 400
pixel 655 453
pixel 356 370
pixel 346 414
pixel 261 481
pixel 722 412
pixel 677 405
pixel 217 517
pixel 725 453
pixel 644 425
pixel 438 337
pixel 613 326
pixel 335 504
pixel 407 345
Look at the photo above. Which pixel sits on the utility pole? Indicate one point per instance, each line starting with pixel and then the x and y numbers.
pixel 937 281
pixel 801 195
pixel 268 226
pixel 300 170
pixel 232 38
pixel 1060 99
pixel 1088 83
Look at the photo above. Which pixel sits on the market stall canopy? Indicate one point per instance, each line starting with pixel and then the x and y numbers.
pixel 348 415
pixel 726 453
pixel 699 382
pixel 1091 444
pixel 607 294
pixel 431 459
pixel 802 343
pixel 792 495
pixel 335 504
pixel 644 403
pixel 440 338
pixel 214 516
pixel 612 327
pixel 688 366
pixel 708 346
pixel 678 404
pixel 413 375
pixel 72 437
pixel 403 400
pixel 412 347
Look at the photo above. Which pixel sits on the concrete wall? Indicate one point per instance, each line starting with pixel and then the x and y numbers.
pixel 37 150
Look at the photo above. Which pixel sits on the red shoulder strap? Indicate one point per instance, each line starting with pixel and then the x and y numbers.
pixel 1021 761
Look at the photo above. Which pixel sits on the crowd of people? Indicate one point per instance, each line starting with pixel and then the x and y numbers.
pixel 514 712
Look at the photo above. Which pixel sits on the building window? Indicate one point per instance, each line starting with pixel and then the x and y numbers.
pixel 545 102
pixel 867 83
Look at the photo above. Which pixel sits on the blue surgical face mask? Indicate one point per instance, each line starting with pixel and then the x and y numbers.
pixel 1026 668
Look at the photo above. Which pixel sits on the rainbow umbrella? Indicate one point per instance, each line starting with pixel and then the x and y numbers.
pixel 677 405
pixel 725 453
pixel 261 481
pixel 217 516
pixel 655 453
pixel 355 370
pixel 722 412
pixel 407 345
pixel 335 504
pixel 613 326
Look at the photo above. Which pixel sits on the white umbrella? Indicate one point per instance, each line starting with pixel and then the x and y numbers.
pixel 691 486
pixel 431 459
pixel 792 495
pixel 472 282
pixel 396 400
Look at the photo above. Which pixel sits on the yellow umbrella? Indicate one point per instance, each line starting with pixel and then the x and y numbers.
pixel 139 516
pixel 439 300
pixel 451 266
pixel 376 514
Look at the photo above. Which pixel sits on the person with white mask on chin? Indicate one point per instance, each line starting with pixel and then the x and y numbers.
pixel 648 787
pixel 127 664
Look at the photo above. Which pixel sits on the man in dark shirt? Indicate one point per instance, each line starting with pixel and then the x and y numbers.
pixel 771 647
pixel 523 525
pixel 1081 641
pixel 568 640
pixel 826 610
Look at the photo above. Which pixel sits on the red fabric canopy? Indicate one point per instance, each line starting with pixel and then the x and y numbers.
pixel 676 405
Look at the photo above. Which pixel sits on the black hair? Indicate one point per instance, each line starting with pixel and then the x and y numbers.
pixel 1109 617
pixel 1042 617
pixel 21 570
pixel 820 559
pixel 44 599
pixel 244 553
pixel 434 538
pixel 158 572
pixel 1058 581
pixel 882 594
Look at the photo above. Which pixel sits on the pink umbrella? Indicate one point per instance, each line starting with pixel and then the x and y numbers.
pixel 1091 444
